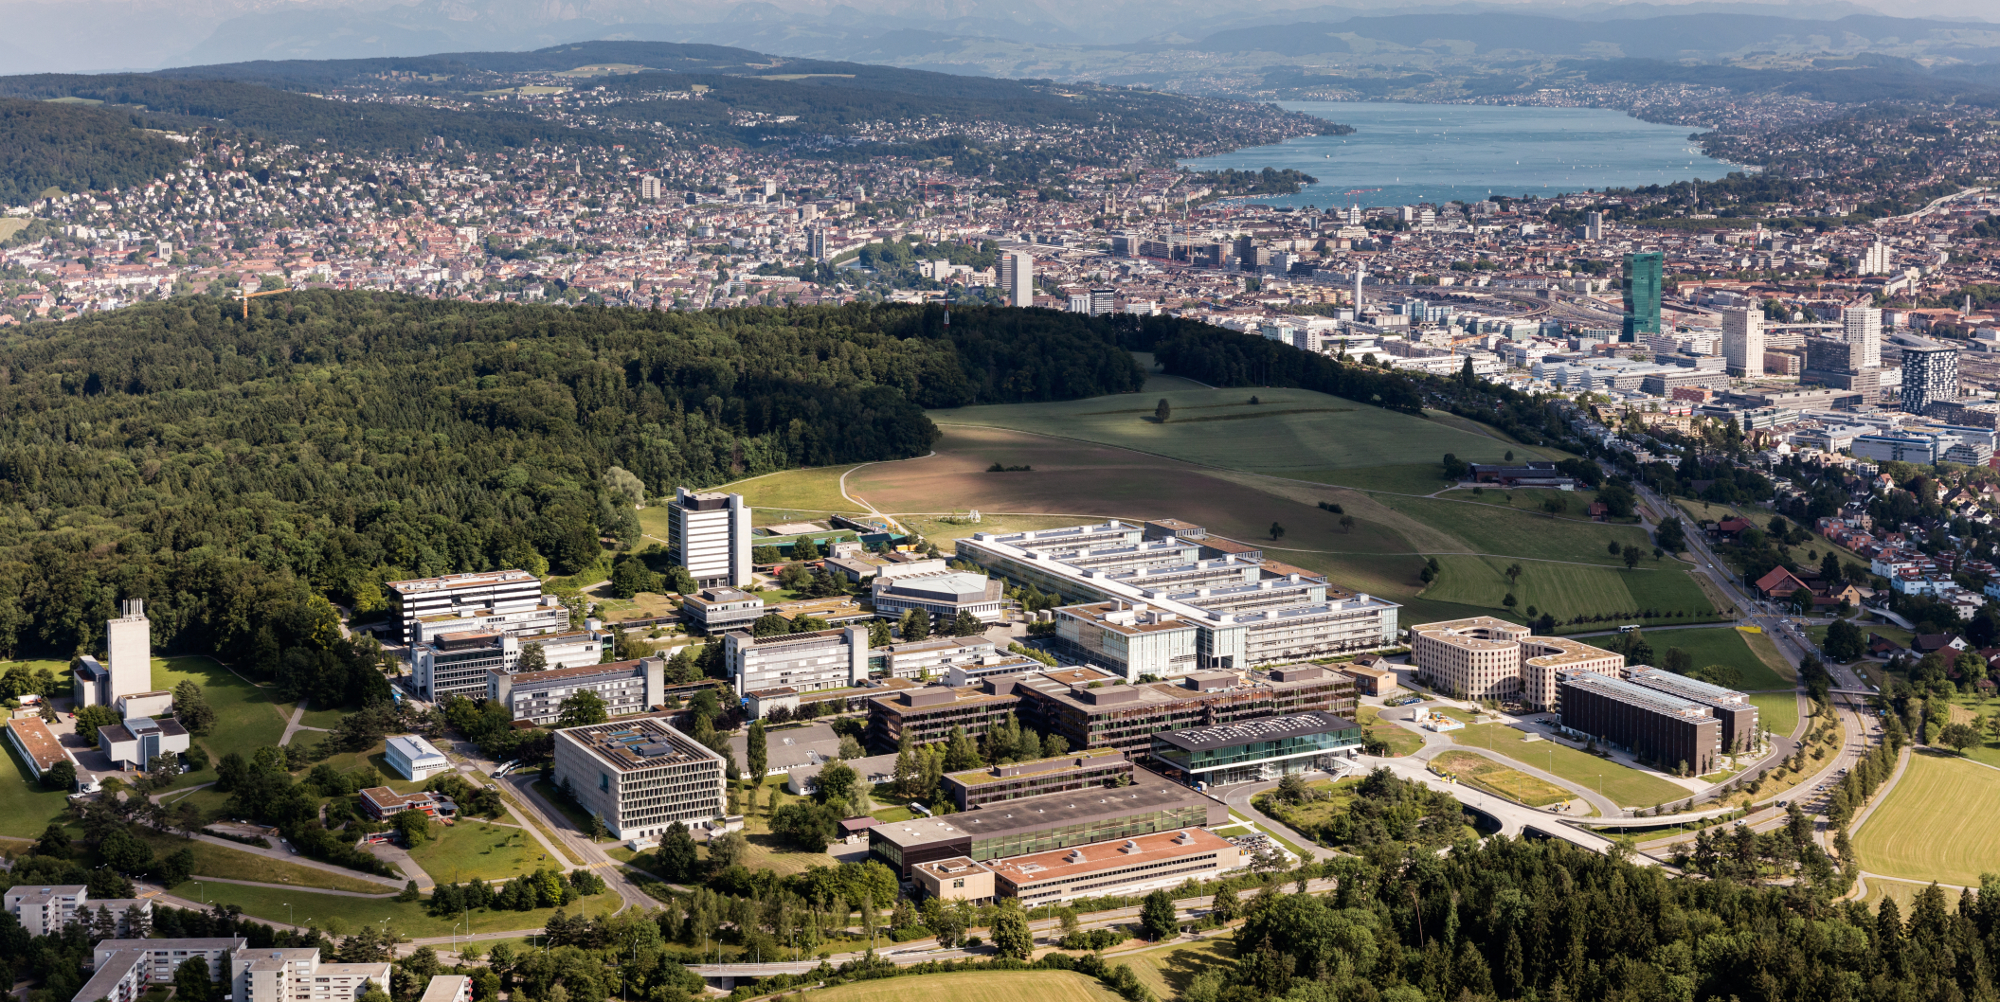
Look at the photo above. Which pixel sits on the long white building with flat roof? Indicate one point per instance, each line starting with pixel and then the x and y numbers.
pixel 1158 600
pixel 509 602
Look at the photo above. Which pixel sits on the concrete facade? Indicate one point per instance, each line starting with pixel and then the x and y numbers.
pixel 639 775
pixel 709 534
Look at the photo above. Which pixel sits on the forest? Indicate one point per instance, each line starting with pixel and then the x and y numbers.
pixel 232 473
pixel 76 147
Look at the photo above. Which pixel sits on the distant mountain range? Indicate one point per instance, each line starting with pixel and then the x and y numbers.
pixel 100 35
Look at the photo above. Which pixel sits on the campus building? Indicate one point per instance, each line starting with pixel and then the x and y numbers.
pixel 1090 713
pixel 709 534
pixel 816 659
pixel 1167 599
pixel 1124 868
pixel 128 664
pixel 448 988
pixel 136 742
pixel 639 775
pixel 626 687
pixel 954 879
pixel 940 593
pixel 45 909
pixel 1092 769
pixel 1658 727
pixel 122 968
pixel 456 664
pixel 1734 709
pixel 382 803
pixel 1260 749
pixel 929 714
pixel 509 602
pixel 1040 824
pixel 414 758
pixel 713 610
pixel 38 746
pixel 293 974
pixel 1482 657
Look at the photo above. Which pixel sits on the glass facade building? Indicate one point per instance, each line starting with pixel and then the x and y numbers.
pixel 1643 276
pixel 1257 749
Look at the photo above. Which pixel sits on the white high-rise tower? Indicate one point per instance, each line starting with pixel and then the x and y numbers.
pixel 1863 329
pixel 1743 341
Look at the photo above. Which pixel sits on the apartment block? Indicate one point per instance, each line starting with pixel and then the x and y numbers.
pixel 816 659
pixel 122 968
pixel 509 602
pixel 43 909
pixel 1482 657
pixel 640 775
pixel 1089 769
pixel 275 974
pixel 626 687
pixel 709 534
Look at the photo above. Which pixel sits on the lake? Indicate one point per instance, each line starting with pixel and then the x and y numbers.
pixel 1439 152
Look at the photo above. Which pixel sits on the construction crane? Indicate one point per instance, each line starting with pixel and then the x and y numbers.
pixel 246 297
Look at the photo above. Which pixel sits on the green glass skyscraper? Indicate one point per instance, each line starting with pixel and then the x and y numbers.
pixel 1642 293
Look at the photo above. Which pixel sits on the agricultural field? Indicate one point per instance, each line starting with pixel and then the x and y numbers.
pixel 1936 824
pixel 1482 773
pixel 476 849
pixel 1626 786
pixel 1287 430
pixel 1566 591
pixel 339 913
pixel 974 986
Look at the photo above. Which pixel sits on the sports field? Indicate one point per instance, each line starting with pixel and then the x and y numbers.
pixel 1937 824
pixel 1628 787
pixel 974 986
pixel 1482 773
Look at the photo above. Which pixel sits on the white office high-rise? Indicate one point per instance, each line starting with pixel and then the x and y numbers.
pixel 1017 278
pixel 1743 342
pixel 1863 329
pixel 709 534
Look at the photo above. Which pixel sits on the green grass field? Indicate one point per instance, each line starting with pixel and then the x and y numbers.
pixel 1777 711
pixel 1726 645
pixel 1936 824
pixel 1402 741
pixel 1569 590
pixel 1290 429
pixel 974 986
pixel 474 849
pixel 246 717
pixel 1628 787
pixel 1167 970
pixel 1482 773
pixel 1484 528
pixel 217 861
pixel 352 913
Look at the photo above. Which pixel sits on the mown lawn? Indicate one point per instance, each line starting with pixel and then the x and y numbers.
pixel 1483 773
pixel 1724 645
pixel 1168 971
pixel 475 849
pixel 247 717
pixel 1777 712
pixel 216 861
pixel 1625 786
pixel 1567 591
pixel 1936 824
pixel 408 918
pixel 1402 741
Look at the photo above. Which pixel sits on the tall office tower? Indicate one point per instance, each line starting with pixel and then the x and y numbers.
pixel 1863 325
pixel 1079 302
pixel 128 641
pixel 1743 342
pixel 1593 226
pixel 1017 278
pixel 1930 375
pixel 816 243
pixel 649 188
pixel 1354 215
pixel 1642 293
pixel 709 534
pixel 770 188
pixel 1358 272
pixel 1103 302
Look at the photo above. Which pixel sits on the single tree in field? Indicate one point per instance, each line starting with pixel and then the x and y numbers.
pixel 1347 523
pixel 1163 412
pixel 1277 532
pixel 1631 557
pixel 1554 505
pixel 1513 573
